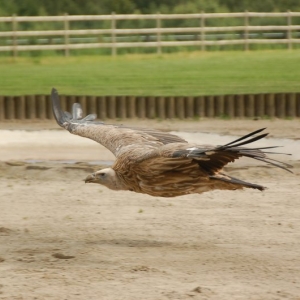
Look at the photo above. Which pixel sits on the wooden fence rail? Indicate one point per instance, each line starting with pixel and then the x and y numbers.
pixel 160 35
pixel 282 105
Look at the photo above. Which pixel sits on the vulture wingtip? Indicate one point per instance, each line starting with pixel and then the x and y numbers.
pixel 57 112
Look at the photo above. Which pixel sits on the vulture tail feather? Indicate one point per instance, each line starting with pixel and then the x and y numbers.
pixel 244 137
pixel 275 163
pixel 261 156
pixel 254 139
pixel 236 181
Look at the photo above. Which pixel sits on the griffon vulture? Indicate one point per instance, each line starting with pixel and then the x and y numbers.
pixel 158 163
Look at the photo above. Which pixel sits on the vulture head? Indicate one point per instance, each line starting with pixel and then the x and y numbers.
pixel 105 177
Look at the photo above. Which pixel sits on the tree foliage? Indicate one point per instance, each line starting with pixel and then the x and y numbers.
pixel 78 7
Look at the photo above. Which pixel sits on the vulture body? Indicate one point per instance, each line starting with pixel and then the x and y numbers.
pixel 158 163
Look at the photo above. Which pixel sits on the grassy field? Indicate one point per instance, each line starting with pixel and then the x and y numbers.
pixel 198 73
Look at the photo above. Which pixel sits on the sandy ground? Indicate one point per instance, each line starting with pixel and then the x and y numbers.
pixel 63 239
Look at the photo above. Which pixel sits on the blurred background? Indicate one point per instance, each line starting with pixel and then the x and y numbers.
pixel 151 59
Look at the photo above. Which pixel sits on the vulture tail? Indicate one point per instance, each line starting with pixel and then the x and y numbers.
pixel 235 181
pixel 215 158
pixel 255 153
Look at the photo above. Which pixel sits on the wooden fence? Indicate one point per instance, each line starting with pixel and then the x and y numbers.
pixel 157 36
pixel 283 105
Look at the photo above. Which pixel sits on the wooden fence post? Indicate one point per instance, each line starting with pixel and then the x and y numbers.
pixel 202 26
pixel 9 107
pixel 239 103
pixel 121 107
pixel 151 109
pixel 189 107
pixel 298 105
pixel 111 107
pixel 229 106
pixel 289 31
pixel 30 105
pixel 179 104
pixel 249 106
pixel 131 109
pixel 141 107
pixel 83 102
pixel 101 108
pixel 113 35
pixel 49 113
pixel 14 37
pixel 67 102
pixel 170 107
pixel 2 109
pixel 160 104
pixel 41 106
pixel 246 32
pixel 66 36
pixel 200 106
pixel 270 105
pixel 280 105
pixel 219 106
pixel 259 104
pixel 158 34
pixel 209 107
pixel 91 106
pixel 291 105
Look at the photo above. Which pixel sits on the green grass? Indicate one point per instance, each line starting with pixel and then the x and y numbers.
pixel 196 73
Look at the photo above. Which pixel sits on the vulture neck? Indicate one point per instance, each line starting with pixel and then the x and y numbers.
pixel 115 183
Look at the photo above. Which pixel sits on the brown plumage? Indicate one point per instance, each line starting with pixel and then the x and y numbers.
pixel 158 163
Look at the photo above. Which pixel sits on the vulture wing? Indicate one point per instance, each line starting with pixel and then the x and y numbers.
pixel 118 139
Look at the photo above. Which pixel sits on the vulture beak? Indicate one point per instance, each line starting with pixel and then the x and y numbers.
pixel 90 178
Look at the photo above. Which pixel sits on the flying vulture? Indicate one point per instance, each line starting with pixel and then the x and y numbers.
pixel 158 163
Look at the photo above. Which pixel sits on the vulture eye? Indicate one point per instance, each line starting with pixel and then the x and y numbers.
pixel 102 174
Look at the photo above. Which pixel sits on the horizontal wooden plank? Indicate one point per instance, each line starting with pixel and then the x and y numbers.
pixel 145 44
pixel 43 33
pixel 145 16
